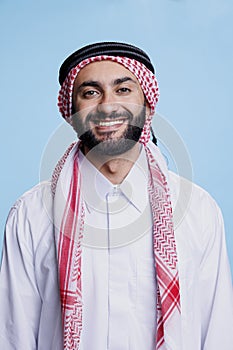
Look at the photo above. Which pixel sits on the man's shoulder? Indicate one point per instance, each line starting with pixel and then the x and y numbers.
pixel 31 217
pixel 35 201
pixel 179 184
pixel 34 193
pixel 192 203
pixel 183 190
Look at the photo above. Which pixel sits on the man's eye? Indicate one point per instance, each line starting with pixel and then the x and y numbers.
pixel 123 90
pixel 89 93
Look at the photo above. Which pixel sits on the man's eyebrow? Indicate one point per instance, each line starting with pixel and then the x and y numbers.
pixel 88 83
pixel 123 80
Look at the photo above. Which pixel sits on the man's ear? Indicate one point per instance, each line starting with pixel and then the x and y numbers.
pixel 147 109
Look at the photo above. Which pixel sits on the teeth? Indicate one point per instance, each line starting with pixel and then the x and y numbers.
pixel 110 123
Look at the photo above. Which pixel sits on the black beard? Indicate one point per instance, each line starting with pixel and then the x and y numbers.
pixel 110 145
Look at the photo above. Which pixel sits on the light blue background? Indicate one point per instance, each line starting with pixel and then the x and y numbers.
pixel 190 43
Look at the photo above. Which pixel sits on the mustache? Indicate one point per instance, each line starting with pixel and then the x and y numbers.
pixel 97 116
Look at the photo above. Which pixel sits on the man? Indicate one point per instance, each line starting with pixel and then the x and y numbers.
pixel 93 260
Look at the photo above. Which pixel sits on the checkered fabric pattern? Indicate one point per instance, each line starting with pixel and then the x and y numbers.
pixel 69 218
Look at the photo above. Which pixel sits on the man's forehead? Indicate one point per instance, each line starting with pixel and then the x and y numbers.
pixel 104 71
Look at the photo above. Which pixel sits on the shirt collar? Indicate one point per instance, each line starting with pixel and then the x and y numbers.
pixel 96 187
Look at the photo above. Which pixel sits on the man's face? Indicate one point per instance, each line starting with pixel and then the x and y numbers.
pixel 109 108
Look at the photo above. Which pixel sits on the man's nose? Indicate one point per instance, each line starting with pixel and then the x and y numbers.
pixel 108 103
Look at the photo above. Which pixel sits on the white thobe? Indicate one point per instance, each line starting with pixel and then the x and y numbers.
pixel 118 272
pixel 30 317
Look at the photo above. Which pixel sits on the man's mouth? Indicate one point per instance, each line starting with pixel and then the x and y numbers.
pixel 109 122
pixel 110 125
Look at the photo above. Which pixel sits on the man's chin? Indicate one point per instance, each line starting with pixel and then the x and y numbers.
pixel 108 147
pixel 114 148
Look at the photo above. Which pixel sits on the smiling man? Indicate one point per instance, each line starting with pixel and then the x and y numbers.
pixel 93 259
pixel 110 106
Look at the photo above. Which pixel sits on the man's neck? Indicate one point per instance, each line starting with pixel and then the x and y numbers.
pixel 114 168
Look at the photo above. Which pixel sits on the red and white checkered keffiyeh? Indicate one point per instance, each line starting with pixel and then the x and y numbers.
pixel 145 77
pixel 69 216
